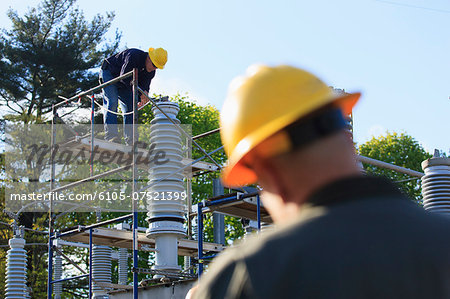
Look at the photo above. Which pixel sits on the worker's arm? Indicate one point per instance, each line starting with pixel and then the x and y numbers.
pixel 144 84
pixel 144 100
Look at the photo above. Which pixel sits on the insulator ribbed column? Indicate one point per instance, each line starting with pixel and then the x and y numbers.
pixel 123 266
pixel 187 263
pixel 101 269
pixel 57 274
pixel 16 270
pixel 27 295
pixel 166 216
pixel 436 185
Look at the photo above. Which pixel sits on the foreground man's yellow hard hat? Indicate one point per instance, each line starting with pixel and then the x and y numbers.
pixel 261 104
pixel 158 57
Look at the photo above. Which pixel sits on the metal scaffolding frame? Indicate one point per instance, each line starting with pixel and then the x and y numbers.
pixel 52 234
pixel 134 215
pixel 201 206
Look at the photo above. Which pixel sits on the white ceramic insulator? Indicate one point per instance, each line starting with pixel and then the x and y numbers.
pixel 57 274
pixel 187 262
pixel 16 270
pixel 101 269
pixel 123 266
pixel 436 185
pixel 166 216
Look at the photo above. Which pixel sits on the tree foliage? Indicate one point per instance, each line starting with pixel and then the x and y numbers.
pixel 50 51
pixel 401 150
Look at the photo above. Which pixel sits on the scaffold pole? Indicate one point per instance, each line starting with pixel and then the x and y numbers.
pixel 134 187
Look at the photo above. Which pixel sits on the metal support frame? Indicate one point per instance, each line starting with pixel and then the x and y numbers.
pixel 51 234
pixel 205 204
pixel 134 186
pixel 92 137
pixel 70 260
pixel 81 229
pixel 382 164
pixel 258 211
pixel 92 177
pixel 200 237
pixel 50 216
pixel 90 263
pixel 74 264
pixel 218 218
pixel 206 134
pixel 70 278
pixel 165 273
pixel 94 89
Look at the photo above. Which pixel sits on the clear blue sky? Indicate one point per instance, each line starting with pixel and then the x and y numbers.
pixel 397 53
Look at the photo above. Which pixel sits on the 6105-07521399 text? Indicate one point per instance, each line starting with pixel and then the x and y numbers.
pixel 103 196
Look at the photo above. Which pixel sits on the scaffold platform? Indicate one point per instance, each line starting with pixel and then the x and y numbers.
pixel 110 149
pixel 239 206
pixel 124 239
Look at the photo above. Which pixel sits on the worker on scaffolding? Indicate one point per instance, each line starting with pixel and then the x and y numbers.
pixel 338 233
pixel 117 65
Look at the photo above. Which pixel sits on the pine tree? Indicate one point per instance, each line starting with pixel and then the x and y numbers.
pixel 52 50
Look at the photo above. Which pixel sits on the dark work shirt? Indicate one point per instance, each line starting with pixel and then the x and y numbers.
pixel 124 62
pixel 355 238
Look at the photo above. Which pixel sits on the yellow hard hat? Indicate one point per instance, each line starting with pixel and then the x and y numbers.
pixel 262 103
pixel 158 57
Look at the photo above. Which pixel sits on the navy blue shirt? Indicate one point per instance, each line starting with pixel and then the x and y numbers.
pixel 125 61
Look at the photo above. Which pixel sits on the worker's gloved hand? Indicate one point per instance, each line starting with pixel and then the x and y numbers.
pixel 143 101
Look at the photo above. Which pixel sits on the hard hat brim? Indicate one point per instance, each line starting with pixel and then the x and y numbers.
pixel 347 102
pixel 236 174
pixel 151 54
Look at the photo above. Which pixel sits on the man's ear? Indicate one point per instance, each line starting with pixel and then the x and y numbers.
pixel 270 177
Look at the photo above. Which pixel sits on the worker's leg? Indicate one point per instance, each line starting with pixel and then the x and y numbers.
pixel 126 102
pixel 110 99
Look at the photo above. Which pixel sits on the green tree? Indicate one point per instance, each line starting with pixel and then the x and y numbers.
pixel 51 50
pixel 401 150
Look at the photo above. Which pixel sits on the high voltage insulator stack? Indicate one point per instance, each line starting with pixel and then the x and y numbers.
pixel 166 217
pixel 101 269
pixel 57 274
pixel 123 265
pixel 16 270
pixel 436 185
